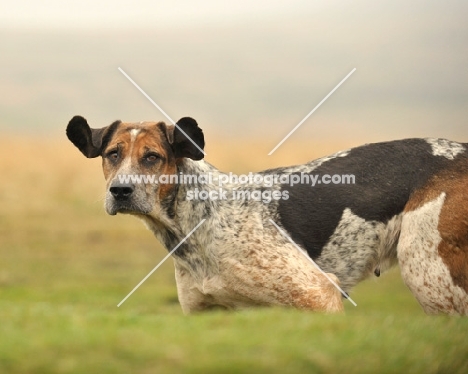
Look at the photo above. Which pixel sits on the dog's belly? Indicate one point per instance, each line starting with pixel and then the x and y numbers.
pixel 358 247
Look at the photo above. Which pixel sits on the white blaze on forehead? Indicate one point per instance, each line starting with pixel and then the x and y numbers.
pixel 126 166
pixel 445 148
pixel 134 134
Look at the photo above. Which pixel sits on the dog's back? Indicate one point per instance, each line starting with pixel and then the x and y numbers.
pixel 402 193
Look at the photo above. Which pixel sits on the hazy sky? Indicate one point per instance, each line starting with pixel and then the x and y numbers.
pixel 248 68
pixel 89 13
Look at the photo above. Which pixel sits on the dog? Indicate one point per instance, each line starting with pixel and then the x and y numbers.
pixel 408 204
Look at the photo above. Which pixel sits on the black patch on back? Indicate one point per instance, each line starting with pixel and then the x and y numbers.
pixel 385 176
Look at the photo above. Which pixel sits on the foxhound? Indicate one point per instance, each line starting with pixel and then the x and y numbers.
pixel 408 204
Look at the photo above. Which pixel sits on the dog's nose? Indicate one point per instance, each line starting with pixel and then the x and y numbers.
pixel 122 192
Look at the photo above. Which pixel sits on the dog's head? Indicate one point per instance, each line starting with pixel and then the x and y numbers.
pixel 130 151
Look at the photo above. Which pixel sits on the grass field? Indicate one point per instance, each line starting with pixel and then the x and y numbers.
pixel 65 265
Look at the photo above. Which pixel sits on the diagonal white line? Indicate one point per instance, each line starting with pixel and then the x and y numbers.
pixel 160 109
pixel 162 261
pixel 312 111
pixel 313 262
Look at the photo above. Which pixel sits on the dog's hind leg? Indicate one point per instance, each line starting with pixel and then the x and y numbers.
pixel 433 250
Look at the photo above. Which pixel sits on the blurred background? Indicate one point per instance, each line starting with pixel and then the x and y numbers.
pixel 248 72
pixel 242 69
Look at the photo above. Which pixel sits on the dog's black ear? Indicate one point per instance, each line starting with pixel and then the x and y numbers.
pixel 188 139
pixel 90 142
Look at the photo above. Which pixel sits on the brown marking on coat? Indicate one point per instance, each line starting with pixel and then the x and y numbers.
pixel 453 219
pixel 270 280
pixel 324 298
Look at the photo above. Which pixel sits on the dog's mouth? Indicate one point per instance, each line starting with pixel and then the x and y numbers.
pixel 127 207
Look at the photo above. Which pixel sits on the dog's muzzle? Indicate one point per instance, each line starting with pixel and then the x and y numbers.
pixel 127 198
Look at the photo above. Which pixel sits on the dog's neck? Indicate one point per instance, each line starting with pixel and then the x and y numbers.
pixel 172 222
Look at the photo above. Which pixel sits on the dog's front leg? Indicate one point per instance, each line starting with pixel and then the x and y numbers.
pixel 191 299
pixel 282 281
pixel 260 280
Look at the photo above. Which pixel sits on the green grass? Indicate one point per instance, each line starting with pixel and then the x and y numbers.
pixel 52 337
pixel 65 265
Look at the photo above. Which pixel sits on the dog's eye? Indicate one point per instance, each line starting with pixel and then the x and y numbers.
pixel 151 158
pixel 113 155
